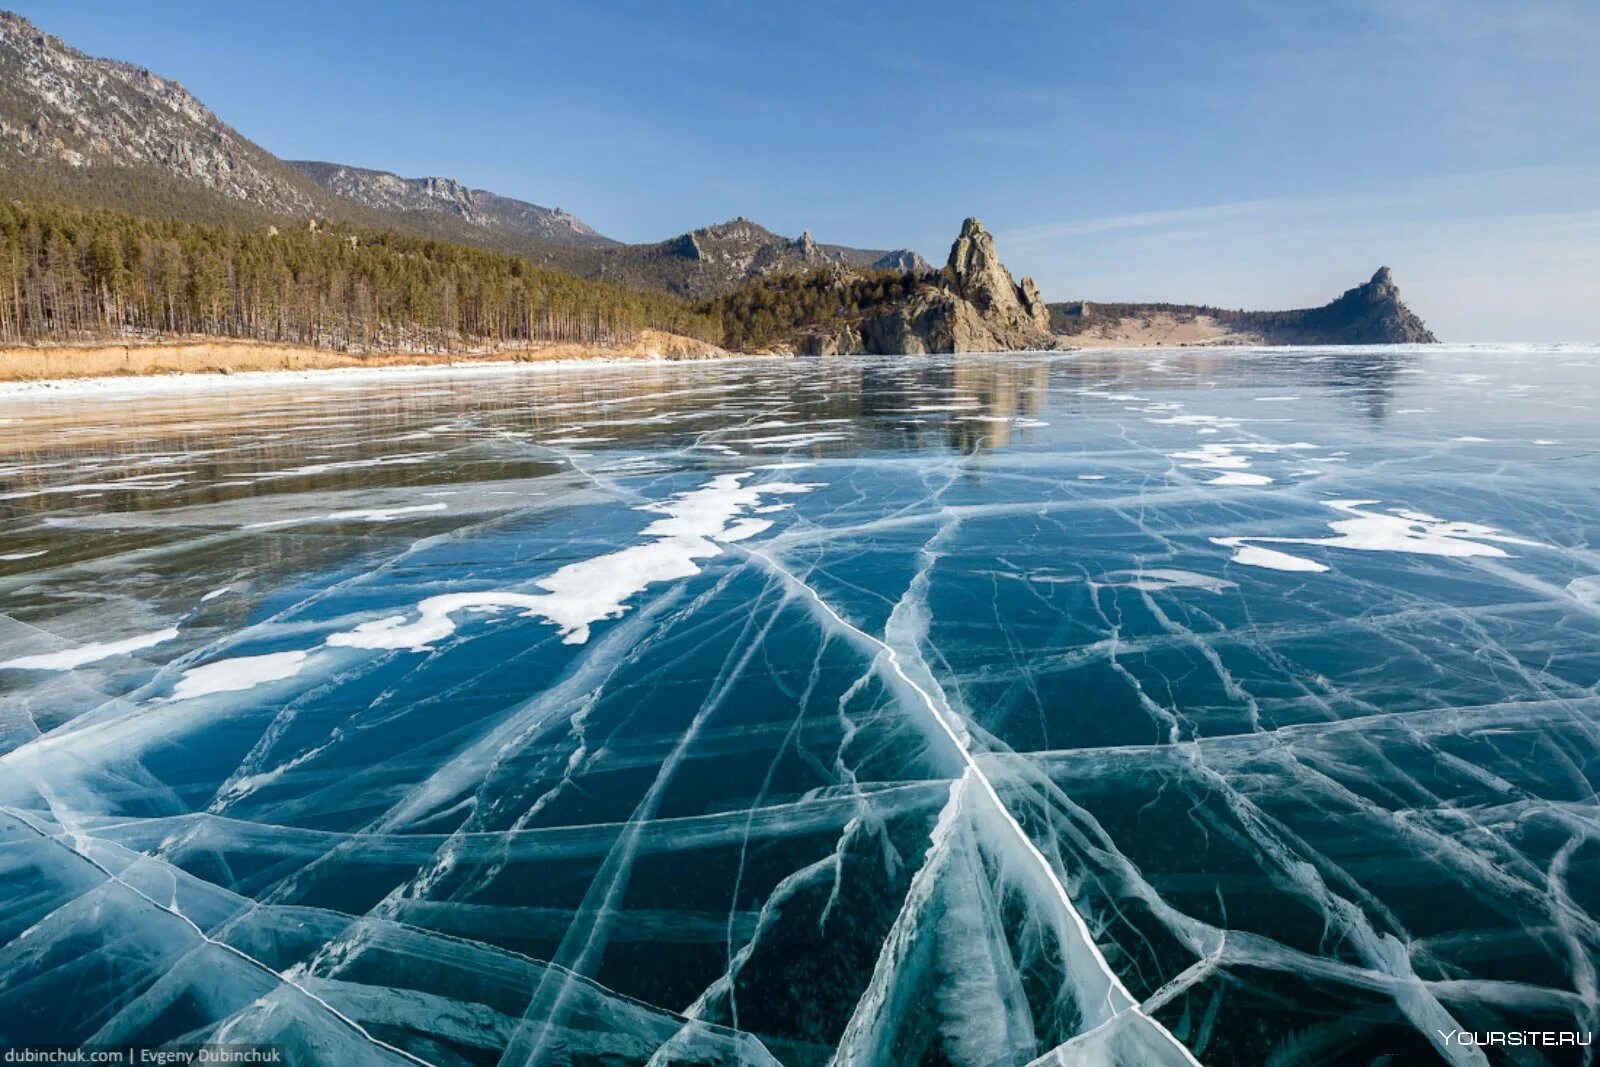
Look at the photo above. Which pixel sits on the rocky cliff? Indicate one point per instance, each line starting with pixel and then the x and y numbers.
pixel 1369 314
pixel 971 306
pixel 716 260
pixel 383 191
pixel 70 122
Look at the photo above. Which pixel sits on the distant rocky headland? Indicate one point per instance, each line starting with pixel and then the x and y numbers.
pixel 1369 314
pixel 131 214
pixel 974 305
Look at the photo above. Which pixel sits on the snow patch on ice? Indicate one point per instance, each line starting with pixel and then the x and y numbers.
pixel 1239 478
pixel 1408 531
pixel 241 672
pixel 71 658
pixel 364 515
pixel 1256 556
pixel 1158 578
pixel 585 592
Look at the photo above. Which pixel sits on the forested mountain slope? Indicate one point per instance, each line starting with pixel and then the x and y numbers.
pixel 105 134
pixel 74 275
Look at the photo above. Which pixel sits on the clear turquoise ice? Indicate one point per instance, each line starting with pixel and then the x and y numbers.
pixel 1078 708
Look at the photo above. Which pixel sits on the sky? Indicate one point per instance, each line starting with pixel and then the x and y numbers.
pixel 1243 153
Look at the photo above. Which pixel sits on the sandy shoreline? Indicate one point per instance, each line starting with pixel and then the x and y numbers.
pixel 207 366
pixel 137 367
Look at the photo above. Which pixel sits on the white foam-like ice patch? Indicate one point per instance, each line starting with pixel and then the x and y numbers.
pixel 1232 458
pixel 1159 578
pixel 360 515
pixel 1213 457
pixel 68 659
pixel 9 556
pixel 1409 531
pixel 583 593
pixel 1272 560
pixel 1212 421
pixel 241 672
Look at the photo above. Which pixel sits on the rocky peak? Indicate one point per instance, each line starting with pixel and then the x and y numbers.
pixel 974 306
pixel 978 276
pixel 435 196
pixel 446 189
pixel 902 259
pixel 1033 304
pixel 737 229
pixel 61 108
pixel 975 266
pixel 1369 314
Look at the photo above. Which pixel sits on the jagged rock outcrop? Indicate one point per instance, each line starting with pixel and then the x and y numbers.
pixel 903 259
pixel 1369 314
pixel 715 260
pixel 840 342
pixel 972 306
pixel 980 278
pixel 447 197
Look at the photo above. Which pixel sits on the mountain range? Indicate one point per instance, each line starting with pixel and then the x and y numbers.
pixel 89 133
pixel 103 133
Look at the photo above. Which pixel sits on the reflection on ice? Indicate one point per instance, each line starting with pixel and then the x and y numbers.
pixel 594 734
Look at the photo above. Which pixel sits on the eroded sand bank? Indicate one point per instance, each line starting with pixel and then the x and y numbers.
pixel 207 356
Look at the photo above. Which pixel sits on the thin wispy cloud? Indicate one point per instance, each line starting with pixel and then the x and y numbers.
pixel 1497 255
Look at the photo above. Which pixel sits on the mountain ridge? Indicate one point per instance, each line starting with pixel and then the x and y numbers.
pixel 101 133
pixel 60 108
pixel 108 135
pixel 387 191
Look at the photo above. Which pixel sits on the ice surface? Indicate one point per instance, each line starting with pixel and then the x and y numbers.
pixel 1065 709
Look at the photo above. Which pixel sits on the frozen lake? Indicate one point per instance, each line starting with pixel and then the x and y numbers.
pixel 1128 708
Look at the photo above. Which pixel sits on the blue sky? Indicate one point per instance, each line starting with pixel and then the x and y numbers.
pixel 1242 152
